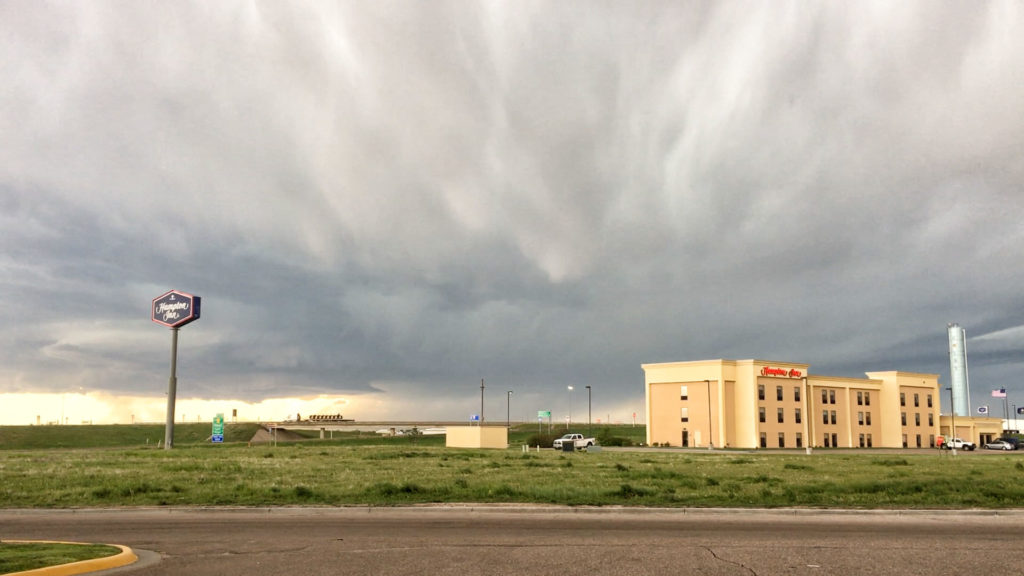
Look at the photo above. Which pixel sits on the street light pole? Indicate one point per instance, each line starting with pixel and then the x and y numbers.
pixel 711 442
pixel 508 411
pixel 809 416
pixel 589 433
pixel 952 415
pixel 481 401
pixel 569 421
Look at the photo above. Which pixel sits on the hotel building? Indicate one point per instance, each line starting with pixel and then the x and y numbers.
pixel 761 404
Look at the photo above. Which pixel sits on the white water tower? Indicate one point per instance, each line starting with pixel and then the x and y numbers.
pixel 958 370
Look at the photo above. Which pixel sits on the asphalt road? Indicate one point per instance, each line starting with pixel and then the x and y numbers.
pixel 558 541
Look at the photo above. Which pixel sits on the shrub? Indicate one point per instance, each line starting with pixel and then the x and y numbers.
pixel 605 438
pixel 628 491
pixel 545 440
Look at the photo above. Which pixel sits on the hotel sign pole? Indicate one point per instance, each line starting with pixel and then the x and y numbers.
pixel 172 390
pixel 174 309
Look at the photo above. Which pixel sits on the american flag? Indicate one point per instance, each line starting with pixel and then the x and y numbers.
pixel 1001 393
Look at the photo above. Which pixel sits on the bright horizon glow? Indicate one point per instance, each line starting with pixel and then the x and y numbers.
pixel 101 408
pixel 32 409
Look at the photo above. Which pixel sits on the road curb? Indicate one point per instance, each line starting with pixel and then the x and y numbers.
pixel 125 557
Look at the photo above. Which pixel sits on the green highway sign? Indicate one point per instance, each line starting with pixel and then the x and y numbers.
pixel 218 429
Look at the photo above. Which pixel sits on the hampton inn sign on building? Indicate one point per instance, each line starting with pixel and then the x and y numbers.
pixel 760 404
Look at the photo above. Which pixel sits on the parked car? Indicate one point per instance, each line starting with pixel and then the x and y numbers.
pixel 999 445
pixel 1012 441
pixel 958 444
pixel 579 441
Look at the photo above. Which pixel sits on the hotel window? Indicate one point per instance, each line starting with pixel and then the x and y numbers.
pixel 782 439
pixel 782 418
pixel 778 393
pixel 684 393
pixel 684 415
pixel 929 400
pixel 760 391
pixel 869 440
pixel 860 418
pixel 824 396
pixel 796 414
pixel 931 440
pixel 867 398
pixel 824 416
pixel 826 441
pixel 918 440
pixel 867 418
pixel 764 440
pixel 833 414
pixel 796 393
pixel 799 440
pixel 903 398
pixel 903 420
pixel 861 440
pixel 835 440
pixel 831 396
pixel 904 440
pixel 931 419
pixel 917 418
pixel 917 401
pixel 860 398
pixel 760 414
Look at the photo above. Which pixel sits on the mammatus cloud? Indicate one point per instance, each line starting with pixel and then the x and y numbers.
pixel 537 195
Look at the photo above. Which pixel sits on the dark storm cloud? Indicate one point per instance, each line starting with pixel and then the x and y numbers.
pixel 413 197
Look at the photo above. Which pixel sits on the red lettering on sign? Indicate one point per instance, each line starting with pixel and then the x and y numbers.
pixel 791 373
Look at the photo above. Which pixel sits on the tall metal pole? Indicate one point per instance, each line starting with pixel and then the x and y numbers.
pixel 481 401
pixel 508 410
pixel 590 433
pixel 809 416
pixel 1006 411
pixel 172 386
pixel 569 421
pixel 711 442
pixel 952 414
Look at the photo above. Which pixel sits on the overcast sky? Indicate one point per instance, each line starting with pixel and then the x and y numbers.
pixel 394 200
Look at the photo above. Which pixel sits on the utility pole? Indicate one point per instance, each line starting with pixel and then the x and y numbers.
pixel 589 427
pixel 481 401
pixel 508 410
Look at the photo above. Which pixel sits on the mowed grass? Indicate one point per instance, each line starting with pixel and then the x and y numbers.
pixel 17 557
pixel 401 472
pixel 115 435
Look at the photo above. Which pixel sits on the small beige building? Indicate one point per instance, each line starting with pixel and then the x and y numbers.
pixel 476 437
pixel 763 404
pixel 975 429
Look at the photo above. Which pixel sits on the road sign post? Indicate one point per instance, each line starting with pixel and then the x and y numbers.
pixel 217 435
pixel 541 415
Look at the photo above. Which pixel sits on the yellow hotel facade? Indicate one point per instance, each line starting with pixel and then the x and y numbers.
pixel 762 404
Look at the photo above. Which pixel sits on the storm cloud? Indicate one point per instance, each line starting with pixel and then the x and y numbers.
pixel 401 199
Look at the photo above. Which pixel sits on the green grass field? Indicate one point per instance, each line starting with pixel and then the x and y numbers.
pixel 364 469
pixel 17 557
pixel 114 435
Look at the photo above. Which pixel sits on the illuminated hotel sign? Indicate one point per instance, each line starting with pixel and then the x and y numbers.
pixel 784 373
pixel 175 309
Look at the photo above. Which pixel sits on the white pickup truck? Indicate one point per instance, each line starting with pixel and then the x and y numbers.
pixel 958 444
pixel 578 441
